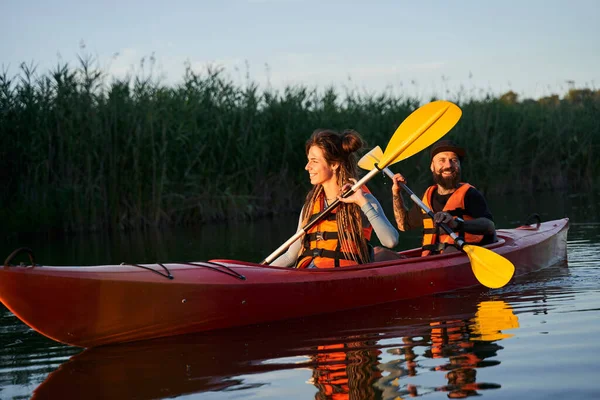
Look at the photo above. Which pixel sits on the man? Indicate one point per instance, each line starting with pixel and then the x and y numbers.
pixel 459 205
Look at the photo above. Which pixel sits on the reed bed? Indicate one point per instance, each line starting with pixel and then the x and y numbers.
pixel 81 152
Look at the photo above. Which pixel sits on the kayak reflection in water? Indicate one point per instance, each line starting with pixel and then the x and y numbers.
pixel 343 353
pixel 342 237
pixel 466 344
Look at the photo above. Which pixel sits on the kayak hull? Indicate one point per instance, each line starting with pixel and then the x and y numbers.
pixel 99 305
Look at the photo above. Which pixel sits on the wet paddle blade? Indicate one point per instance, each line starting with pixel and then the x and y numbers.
pixel 425 126
pixel 369 160
pixel 490 269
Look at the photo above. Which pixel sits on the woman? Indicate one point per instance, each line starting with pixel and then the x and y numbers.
pixel 341 238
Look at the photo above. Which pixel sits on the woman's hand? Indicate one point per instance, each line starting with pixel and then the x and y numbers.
pixel 358 197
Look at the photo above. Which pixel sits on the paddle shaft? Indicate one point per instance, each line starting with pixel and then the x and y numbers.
pixel 459 242
pixel 281 249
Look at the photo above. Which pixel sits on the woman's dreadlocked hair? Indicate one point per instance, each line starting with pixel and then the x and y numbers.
pixel 340 148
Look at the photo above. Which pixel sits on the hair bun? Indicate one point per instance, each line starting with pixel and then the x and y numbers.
pixel 351 141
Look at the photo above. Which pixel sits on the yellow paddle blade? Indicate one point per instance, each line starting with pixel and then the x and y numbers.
pixel 491 319
pixel 369 160
pixel 423 127
pixel 490 269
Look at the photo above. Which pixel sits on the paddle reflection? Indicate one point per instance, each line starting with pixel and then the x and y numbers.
pixel 463 346
pixel 391 351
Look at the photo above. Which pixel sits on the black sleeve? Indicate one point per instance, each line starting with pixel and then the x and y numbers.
pixel 476 205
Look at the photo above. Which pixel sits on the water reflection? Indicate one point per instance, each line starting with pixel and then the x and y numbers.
pixel 346 370
pixel 461 346
pixel 367 354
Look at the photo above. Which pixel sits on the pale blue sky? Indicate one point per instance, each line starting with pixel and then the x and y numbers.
pixel 420 48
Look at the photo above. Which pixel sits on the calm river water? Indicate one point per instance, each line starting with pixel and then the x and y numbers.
pixel 536 338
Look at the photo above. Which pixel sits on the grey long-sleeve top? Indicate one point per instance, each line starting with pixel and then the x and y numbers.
pixel 372 212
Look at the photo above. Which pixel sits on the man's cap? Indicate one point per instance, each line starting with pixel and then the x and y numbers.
pixel 447 145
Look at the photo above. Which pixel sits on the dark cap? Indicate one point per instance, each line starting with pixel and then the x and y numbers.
pixel 447 145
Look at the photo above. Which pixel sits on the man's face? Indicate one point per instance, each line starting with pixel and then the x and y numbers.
pixel 445 168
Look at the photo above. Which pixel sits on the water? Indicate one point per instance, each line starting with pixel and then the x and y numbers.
pixel 536 338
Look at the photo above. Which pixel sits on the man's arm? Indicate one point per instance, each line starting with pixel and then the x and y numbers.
pixel 483 221
pixel 400 212
pixel 480 226
pixel 406 219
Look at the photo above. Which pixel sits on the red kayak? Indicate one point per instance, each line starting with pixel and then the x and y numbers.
pixel 99 305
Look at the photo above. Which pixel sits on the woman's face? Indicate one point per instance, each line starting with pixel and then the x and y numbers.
pixel 318 170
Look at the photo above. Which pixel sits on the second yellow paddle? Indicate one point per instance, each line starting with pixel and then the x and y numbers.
pixel 490 269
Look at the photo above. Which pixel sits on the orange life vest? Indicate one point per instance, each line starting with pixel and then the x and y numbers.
pixel 321 242
pixel 433 236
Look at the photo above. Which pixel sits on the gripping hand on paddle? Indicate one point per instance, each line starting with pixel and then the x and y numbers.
pixel 358 197
pixel 396 187
pixel 443 217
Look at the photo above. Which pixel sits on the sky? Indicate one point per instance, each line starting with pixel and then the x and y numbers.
pixel 419 48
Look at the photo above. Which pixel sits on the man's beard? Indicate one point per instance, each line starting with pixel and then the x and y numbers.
pixel 450 182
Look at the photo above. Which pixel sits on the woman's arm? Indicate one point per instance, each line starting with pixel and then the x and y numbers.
pixel 289 258
pixel 387 234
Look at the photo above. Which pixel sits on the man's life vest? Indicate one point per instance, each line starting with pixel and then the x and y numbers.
pixel 321 243
pixel 434 238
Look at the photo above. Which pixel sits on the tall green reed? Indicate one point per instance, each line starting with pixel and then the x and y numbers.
pixel 81 151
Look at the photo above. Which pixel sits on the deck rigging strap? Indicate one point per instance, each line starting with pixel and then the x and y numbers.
pixel 17 252
pixel 205 264
pixel 218 267
pixel 167 275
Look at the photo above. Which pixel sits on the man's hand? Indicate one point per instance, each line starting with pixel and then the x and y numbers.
pixel 396 189
pixel 443 217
